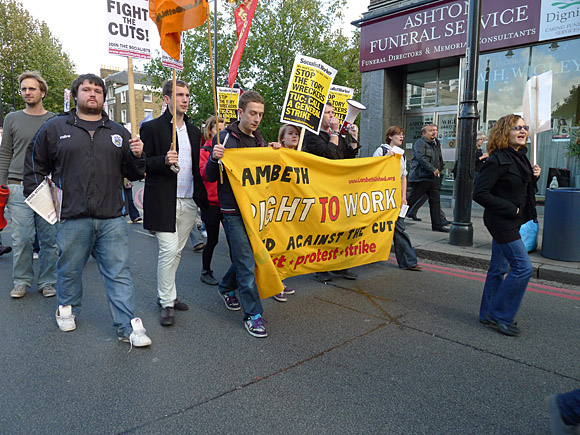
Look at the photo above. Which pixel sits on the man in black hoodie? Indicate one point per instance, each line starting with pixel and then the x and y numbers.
pixel 240 134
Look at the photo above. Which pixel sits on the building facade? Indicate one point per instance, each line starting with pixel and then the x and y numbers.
pixel 412 60
pixel 147 101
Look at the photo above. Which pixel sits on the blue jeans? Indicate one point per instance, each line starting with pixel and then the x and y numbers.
pixel 133 212
pixel 406 256
pixel 502 297
pixel 569 404
pixel 240 275
pixel 24 222
pixel 108 239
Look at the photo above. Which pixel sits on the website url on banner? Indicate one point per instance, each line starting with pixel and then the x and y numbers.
pixel 370 179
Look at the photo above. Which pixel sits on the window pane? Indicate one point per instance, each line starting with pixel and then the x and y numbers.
pixel 421 89
pixel 506 73
pixel 561 58
pixel 448 86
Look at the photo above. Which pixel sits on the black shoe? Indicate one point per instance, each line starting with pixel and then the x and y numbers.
pixel 167 317
pixel 5 250
pixel 511 330
pixel 414 217
pixel 208 278
pixel 323 276
pixel 178 305
pixel 346 273
pixel 441 230
pixel 445 222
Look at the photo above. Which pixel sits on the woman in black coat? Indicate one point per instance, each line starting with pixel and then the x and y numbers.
pixel 506 188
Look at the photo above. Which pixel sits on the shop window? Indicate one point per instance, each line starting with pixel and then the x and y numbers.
pixel 432 88
pixel 501 82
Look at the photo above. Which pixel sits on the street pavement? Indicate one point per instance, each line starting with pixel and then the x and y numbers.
pixel 393 352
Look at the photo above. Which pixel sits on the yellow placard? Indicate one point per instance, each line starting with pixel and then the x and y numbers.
pixel 304 213
pixel 307 93
pixel 228 104
pixel 337 96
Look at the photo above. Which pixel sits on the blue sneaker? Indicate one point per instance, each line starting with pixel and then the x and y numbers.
pixel 231 301
pixel 255 326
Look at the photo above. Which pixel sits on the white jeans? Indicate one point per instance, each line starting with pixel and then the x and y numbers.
pixel 170 247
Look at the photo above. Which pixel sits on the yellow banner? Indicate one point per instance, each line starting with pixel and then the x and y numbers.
pixel 305 213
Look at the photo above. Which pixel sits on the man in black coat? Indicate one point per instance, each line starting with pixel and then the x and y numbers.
pixel 171 199
pixel 426 168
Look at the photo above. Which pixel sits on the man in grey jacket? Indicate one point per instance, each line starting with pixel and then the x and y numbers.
pixel 19 129
pixel 426 168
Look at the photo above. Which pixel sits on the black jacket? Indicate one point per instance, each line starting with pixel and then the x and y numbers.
pixel 319 145
pixel 160 196
pixel 501 189
pixel 426 159
pixel 235 139
pixel 89 170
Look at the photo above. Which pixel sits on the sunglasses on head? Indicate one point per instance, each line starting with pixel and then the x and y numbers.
pixel 521 127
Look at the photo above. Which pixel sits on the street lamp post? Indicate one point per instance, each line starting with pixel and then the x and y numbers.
pixel 461 232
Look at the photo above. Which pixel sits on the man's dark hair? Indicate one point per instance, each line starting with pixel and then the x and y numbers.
pixel 250 97
pixel 168 87
pixel 92 79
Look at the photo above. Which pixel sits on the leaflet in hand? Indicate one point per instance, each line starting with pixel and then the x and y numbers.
pixel 46 200
pixel 404 210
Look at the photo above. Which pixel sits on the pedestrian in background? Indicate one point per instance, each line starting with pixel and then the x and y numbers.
pixel 20 128
pixel 506 188
pixel 213 216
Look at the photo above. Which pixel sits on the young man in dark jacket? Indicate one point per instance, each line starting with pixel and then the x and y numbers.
pixel 171 199
pixel 88 155
pixel 241 134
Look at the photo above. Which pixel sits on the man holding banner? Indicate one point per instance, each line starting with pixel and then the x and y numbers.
pixel 240 134
pixel 170 200
pixel 331 144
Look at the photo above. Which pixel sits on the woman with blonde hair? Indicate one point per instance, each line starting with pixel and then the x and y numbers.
pixel 506 188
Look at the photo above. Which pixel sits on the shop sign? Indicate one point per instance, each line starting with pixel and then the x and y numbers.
pixel 441 31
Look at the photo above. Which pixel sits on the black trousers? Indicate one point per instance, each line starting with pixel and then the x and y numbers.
pixel 431 188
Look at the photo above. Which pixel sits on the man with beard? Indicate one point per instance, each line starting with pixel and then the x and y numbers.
pixel 88 155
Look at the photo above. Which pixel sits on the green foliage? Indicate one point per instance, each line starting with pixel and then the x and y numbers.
pixel 574 147
pixel 27 44
pixel 280 30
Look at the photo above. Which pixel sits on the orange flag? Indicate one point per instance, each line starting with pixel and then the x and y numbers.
pixel 173 17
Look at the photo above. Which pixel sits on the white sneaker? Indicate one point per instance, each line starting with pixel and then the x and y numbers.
pixel 138 338
pixel 65 319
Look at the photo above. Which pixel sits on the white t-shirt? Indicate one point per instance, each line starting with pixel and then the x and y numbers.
pixel 185 174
